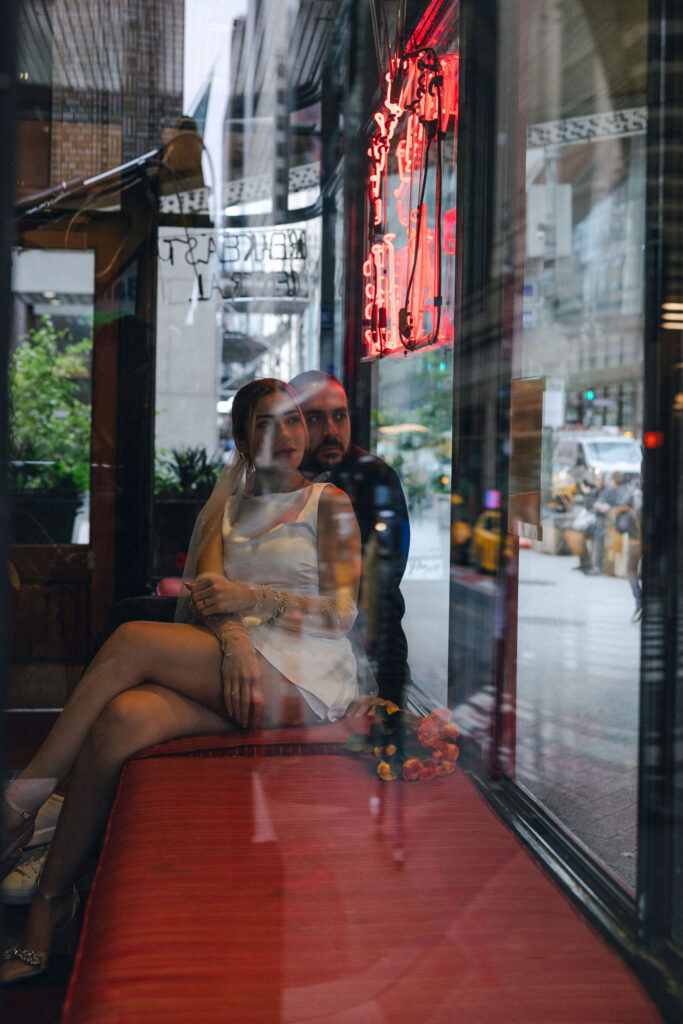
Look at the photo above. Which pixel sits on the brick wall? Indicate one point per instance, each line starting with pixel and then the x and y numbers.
pixel 83 150
pixel 112 74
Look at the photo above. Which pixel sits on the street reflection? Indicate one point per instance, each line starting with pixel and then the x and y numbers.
pixel 578 670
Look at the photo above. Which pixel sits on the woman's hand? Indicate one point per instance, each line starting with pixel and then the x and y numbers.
pixel 214 595
pixel 240 673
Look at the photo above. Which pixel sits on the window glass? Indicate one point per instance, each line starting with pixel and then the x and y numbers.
pixel 578 542
pixel 413 434
pixel 168 250
pixel 50 396
pixel 410 260
pixel 238 269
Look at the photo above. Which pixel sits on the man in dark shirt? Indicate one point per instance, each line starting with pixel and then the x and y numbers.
pixel 377 498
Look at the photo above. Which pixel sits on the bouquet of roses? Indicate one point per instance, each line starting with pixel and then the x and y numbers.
pixel 407 746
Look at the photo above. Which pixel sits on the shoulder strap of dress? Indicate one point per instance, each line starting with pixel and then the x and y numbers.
pixel 310 509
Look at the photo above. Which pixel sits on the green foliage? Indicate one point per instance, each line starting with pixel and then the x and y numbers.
pixel 49 417
pixel 382 417
pixel 436 404
pixel 185 473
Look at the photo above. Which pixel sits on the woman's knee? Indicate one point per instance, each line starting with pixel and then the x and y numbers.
pixel 123 727
pixel 130 636
pixel 129 648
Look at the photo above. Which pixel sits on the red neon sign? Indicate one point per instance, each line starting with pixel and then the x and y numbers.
pixel 409 233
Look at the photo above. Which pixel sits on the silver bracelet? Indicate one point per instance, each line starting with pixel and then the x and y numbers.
pixel 281 603
pixel 258 604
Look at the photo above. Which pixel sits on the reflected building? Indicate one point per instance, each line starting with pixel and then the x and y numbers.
pixel 270 259
pixel 96 87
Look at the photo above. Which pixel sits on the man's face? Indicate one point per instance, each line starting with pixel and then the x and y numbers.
pixel 329 427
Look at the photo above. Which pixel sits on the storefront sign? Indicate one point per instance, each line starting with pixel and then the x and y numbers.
pixel 409 232
pixel 265 284
pixel 261 264
pixel 242 265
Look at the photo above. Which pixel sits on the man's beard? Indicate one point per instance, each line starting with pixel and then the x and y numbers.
pixel 325 460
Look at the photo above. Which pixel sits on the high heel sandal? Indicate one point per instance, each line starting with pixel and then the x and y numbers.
pixel 11 853
pixel 35 962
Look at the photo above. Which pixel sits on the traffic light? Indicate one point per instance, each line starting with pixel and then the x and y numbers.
pixel 590 394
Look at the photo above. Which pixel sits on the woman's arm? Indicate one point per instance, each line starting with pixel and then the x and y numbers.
pixel 339 567
pixel 210 567
pixel 239 666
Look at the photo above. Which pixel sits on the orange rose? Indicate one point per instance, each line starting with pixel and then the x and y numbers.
pixel 442 768
pixel 450 732
pixel 440 749
pixel 428 732
pixel 427 772
pixel 390 750
pixel 385 771
pixel 411 769
pixel 452 752
pixel 378 751
pixel 391 708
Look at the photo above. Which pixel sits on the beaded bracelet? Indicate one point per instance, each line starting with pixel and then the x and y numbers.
pixel 221 636
pixel 231 653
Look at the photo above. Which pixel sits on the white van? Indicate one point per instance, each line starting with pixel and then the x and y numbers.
pixel 584 453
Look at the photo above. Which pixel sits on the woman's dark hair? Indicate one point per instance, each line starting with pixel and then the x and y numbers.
pixel 244 408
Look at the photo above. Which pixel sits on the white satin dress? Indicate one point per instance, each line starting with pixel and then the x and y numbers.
pixel 275 543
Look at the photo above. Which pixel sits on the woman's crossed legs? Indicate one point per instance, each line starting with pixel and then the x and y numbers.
pixel 114 712
pixel 182 658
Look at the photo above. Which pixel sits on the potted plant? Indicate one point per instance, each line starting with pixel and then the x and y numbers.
pixel 183 480
pixel 50 416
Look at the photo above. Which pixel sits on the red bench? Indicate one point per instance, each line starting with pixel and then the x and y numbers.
pixel 288 884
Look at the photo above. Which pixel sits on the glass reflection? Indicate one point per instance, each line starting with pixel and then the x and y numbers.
pixel 579 597
pixel 239 242
pixel 50 396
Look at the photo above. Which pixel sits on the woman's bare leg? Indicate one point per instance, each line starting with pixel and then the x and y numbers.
pixel 137 718
pixel 142 716
pixel 183 658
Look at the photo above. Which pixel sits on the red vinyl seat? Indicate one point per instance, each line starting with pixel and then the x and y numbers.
pixel 289 884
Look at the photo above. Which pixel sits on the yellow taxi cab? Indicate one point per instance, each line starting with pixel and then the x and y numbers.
pixel 486 541
pixel 563 486
pixel 461 531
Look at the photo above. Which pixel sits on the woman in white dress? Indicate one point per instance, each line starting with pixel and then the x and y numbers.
pixel 277 568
